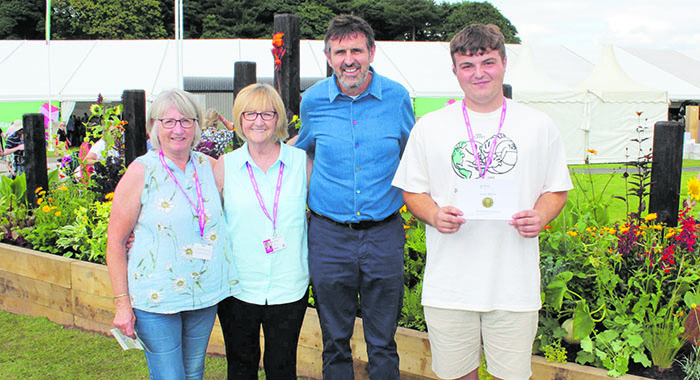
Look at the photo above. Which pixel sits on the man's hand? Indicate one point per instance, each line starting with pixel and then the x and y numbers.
pixel 448 219
pixel 527 222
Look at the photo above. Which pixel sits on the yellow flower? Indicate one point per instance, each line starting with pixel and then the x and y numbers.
pixel 39 201
pixel 109 196
pixel 694 305
pixel 593 152
pixel 38 189
pixel 670 233
pixel 572 233
pixel 657 227
pixel 63 188
pixel 624 229
pixel 58 213
pixel 405 227
pixel 403 209
pixel 650 217
pixel 46 209
pixel 694 189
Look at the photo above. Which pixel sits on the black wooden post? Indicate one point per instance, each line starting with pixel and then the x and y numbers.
pixel 34 155
pixel 508 91
pixel 134 113
pixel 666 168
pixel 288 74
pixel 244 74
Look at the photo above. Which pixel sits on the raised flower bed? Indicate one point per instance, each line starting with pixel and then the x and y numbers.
pixel 78 294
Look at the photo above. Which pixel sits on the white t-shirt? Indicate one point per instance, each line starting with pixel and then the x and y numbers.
pixel 486 265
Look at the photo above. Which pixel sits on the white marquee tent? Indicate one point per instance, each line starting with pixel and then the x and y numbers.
pixel 593 104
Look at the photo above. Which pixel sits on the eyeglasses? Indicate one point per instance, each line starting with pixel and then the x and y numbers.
pixel 184 122
pixel 252 115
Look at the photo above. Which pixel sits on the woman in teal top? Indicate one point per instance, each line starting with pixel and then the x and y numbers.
pixel 264 191
pixel 180 265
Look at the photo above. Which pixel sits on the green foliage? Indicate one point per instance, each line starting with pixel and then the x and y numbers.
pixel 691 364
pixel 554 352
pixel 414 264
pixel 22 19
pixel 14 214
pixel 86 236
pixel 392 20
pixel 463 14
pixel 107 19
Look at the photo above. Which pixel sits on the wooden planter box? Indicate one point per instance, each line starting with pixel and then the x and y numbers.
pixel 79 294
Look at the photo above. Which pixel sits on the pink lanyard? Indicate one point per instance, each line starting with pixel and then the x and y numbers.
pixel 277 194
pixel 473 142
pixel 199 207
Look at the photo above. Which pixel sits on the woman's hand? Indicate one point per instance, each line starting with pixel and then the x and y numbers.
pixel 124 318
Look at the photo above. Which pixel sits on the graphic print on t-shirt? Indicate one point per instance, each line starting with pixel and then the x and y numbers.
pixel 505 156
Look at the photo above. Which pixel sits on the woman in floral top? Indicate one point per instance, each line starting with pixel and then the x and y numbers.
pixel 219 132
pixel 180 265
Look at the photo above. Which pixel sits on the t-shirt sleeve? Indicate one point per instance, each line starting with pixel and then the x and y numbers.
pixel 412 174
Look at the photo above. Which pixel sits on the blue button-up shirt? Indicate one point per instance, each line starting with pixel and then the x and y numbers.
pixel 356 144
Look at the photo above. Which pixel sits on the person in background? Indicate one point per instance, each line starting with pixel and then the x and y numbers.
pixel 15 145
pixel 217 134
pixel 61 131
pixel 482 275
pixel 355 125
pixel 264 192
pixel 180 264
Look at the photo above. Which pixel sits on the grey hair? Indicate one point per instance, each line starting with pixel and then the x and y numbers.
pixel 184 102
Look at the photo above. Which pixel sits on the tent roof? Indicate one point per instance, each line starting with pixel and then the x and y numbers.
pixel 609 82
pixel 82 69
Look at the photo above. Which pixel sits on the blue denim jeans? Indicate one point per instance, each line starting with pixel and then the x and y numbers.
pixel 344 263
pixel 177 342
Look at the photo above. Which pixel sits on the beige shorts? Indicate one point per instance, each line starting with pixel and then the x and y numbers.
pixel 455 342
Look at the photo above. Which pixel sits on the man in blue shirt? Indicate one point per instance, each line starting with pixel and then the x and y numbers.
pixel 355 125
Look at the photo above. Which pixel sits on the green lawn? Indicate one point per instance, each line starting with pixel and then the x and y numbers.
pixel 616 187
pixel 35 348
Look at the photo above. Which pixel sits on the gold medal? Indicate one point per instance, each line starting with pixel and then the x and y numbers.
pixel 487 202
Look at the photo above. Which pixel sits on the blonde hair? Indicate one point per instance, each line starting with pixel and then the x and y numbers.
pixel 184 102
pixel 255 96
pixel 211 118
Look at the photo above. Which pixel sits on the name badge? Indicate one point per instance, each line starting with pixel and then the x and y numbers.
pixel 201 251
pixel 275 244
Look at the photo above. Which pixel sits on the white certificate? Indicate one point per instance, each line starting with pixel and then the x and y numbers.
pixel 487 199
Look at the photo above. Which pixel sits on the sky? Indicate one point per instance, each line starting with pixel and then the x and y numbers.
pixel 657 24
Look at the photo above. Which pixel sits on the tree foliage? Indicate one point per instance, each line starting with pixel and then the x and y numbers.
pixel 107 19
pixel 394 20
pixel 22 19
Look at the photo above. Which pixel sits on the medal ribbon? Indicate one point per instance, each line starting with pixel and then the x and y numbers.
pixel 475 152
pixel 199 207
pixel 273 219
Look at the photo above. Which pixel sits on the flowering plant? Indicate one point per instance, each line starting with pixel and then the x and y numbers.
pixel 278 51
pixel 625 288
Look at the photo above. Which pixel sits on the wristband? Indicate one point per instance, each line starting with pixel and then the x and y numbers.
pixel 121 295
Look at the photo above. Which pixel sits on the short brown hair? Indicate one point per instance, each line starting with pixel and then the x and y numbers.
pixel 348 26
pixel 478 39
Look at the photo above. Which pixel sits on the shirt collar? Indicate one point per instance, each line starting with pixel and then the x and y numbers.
pixel 245 157
pixel 374 89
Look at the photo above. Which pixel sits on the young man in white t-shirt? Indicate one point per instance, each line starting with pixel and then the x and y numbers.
pixel 486 175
